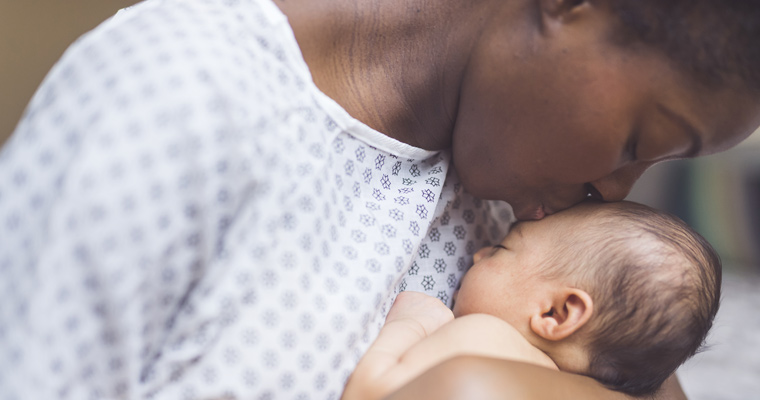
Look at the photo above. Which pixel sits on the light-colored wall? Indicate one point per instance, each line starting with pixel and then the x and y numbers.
pixel 33 35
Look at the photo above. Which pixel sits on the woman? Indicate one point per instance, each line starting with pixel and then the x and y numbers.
pixel 193 209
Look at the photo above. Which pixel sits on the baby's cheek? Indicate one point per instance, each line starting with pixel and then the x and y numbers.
pixel 454 300
pixel 459 304
pixel 465 302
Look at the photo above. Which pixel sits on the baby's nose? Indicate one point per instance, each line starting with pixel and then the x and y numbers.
pixel 480 253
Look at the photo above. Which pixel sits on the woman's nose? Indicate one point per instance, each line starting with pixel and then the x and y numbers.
pixel 617 185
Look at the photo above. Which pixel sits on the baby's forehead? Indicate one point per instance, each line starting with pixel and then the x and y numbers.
pixel 580 219
pixel 640 233
pixel 633 229
pixel 613 217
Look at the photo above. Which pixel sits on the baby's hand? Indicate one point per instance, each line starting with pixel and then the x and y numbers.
pixel 411 319
pixel 429 312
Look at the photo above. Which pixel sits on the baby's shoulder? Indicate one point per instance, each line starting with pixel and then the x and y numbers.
pixel 484 326
pixel 487 335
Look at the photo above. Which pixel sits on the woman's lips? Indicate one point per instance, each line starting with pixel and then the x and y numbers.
pixel 538 213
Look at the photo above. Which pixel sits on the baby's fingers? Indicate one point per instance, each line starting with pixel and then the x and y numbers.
pixel 429 311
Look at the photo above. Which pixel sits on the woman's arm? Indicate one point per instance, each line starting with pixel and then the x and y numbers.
pixel 469 377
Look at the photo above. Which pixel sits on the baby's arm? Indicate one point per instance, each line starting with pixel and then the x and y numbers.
pixel 406 346
pixel 412 318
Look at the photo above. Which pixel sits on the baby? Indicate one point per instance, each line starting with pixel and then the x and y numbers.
pixel 618 292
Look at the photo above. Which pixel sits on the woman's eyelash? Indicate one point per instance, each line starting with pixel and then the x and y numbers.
pixel 498 246
pixel 632 149
pixel 631 146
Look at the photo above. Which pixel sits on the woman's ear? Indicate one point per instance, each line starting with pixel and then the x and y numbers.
pixel 568 311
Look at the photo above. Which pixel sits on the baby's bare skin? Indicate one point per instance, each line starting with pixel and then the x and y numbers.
pixel 421 332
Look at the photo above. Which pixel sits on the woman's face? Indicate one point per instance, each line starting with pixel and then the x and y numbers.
pixel 574 114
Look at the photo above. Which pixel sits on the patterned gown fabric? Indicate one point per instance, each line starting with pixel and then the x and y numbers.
pixel 184 215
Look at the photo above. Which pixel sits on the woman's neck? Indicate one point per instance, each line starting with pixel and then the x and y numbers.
pixel 396 65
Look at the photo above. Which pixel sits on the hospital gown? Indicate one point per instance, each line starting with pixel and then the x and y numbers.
pixel 184 215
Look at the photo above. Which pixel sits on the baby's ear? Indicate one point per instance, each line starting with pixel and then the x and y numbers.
pixel 568 311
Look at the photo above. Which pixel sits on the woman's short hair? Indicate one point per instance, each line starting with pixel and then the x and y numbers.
pixel 715 41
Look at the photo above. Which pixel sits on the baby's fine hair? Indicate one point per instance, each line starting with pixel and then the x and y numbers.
pixel 655 284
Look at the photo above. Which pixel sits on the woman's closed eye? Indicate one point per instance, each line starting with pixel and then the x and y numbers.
pixel 631 147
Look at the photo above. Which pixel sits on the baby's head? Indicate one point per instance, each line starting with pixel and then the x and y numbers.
pixel 617 291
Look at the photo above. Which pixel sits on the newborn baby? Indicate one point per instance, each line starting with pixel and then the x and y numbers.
pixel 619 292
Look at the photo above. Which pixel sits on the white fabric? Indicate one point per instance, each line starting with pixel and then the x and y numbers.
pixel 184 215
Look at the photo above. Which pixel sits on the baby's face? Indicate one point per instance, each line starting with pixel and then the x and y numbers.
pixel 504 281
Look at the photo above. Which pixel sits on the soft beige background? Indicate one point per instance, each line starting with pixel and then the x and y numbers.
pixel 33 35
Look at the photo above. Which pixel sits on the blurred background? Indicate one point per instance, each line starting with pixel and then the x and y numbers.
pixel 718 195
